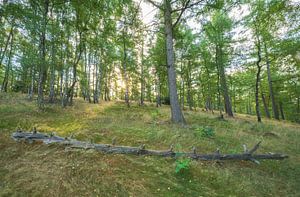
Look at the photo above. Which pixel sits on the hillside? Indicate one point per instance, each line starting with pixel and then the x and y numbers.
pixel 41 170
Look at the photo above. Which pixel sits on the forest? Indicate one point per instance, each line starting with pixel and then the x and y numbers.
pixel 185 74
pixel 241 57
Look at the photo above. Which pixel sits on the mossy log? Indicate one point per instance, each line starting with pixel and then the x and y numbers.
pixel 108 148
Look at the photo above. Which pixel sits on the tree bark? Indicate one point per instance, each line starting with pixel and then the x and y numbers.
pixel 70 92
pixel 158 92
pixel 281 110
pixel 258 45
pixel 208 103
pixel 189 87
pixel 298 105
pixel 6 44
pixel 42 65
pixel 31 87
pixel 125 70
pixel 223 83
pixel 8 69
pixel 176 113
pixel 265 106
pixel 182 89
pixel 52 77
pixel 52 82
pixel 87 73
pixel 111 148
pixel 98 79
pixel 274 107
pixel 142 76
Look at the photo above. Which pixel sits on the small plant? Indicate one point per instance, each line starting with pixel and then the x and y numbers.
pixel 155 115
pixel 182 165
pixel 205 131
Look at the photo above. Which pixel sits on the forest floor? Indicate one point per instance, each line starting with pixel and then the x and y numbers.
pixel 49 170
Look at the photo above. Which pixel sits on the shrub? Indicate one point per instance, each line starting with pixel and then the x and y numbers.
pixel 205 132
pixel 182 165
pixel 155 114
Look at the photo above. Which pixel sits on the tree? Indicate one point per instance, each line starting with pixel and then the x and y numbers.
pixel 217 31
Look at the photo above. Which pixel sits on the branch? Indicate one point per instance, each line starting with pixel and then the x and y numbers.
pixel 111 148
pixel 154 4
pixel 185 7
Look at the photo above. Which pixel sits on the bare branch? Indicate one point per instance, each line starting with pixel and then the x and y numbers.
pixel 185 7
pixel 109 148
pixel 154 4
pixel 180 15
pixel 254 148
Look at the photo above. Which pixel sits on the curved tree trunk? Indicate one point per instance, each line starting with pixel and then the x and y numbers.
pixel 257 77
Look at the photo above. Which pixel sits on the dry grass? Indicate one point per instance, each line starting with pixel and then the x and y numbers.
pixel 40 170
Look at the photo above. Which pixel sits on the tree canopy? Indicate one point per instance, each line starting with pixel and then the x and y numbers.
pixel 226 56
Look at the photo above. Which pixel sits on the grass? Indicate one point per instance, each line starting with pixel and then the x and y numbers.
pixel 41 170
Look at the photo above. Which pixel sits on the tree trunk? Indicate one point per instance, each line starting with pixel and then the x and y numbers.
pixel 52 78
pixel 31 87
pixel 189 84
pixel 208 103
pixel 176 113
pixel 42 66
pixel 228 107
pixel 234 99
pixel 6 44
pixel 223 83
pixel 158 92
pixel 87 73
pixel 53 64
pixel 181 93
pixel 265 106
pixel 142 76
pixel 8 69
pixel 98 78
pixel 125 70
pixel 70 92
pixel 298 105
pixel 281 111
pixel 65 89
pixel 274 107
pixel 52 81
pixel 62 84
pixel 247 155
pixel 257 77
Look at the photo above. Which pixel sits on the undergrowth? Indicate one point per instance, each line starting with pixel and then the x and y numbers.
pixel 40 170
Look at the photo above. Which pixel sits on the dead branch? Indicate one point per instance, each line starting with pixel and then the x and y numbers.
pixel 109 148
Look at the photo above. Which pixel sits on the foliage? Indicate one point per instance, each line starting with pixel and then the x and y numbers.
pixel 182 165
pixel 205 132
pixel 155 115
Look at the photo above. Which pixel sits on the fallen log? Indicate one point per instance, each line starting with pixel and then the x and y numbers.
pixel 108 148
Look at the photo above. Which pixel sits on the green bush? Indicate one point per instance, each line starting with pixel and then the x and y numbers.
pixel 155 115
pixel 182 165
pixel 205 132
